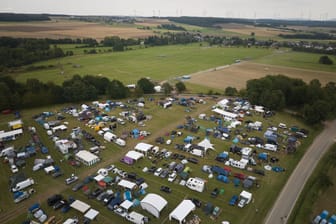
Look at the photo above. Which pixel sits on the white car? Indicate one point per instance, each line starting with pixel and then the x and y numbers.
pixel 121 212
pixel 172 176
pixel 158 171
pixel 14 169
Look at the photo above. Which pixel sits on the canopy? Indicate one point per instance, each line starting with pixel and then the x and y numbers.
pixel 225 113
pixel 91 214
pixel 126 204
pixel 134 155
pixel 182 210
pixel 87 157
pixel 80 206
pixel 99 177
pixel 127 184
pixel 153 203
pixel 206 144
pixel 143 147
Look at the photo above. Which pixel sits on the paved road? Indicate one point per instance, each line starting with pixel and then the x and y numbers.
pixel 290 193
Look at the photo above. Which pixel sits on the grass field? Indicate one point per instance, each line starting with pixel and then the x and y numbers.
pixel 160 124
pixel 158 63
pixel 298 60
pixel 313 200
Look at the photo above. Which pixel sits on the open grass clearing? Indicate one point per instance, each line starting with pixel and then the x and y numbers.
pixel 159 126
pixel 158 63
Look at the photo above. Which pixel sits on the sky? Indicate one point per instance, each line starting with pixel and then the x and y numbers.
pixel 277 9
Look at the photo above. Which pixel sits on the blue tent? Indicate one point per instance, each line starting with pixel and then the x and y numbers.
pixel 223 178
pixel 188 139
pixel 224 155
pixel 128 195
pixel 44 150
pixel 262 156
pixel 135 133
pixel 236 182
pixel 235 140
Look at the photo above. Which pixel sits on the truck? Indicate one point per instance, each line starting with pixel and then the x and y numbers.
pixel 23 184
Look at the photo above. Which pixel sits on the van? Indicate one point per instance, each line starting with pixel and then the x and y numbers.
pixel 6 151
pixel 270 147
pixel 120 142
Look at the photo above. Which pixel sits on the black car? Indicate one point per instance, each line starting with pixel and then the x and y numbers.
pixel 215 192
pixel 54 199
pixel 139 181
pixel 164 173
pixel 181 157
pixel 107 199
pixel 152 169
pixel 192 160
pixel 165 189
pixel 59 204
pixel 197 202
pixel 96 192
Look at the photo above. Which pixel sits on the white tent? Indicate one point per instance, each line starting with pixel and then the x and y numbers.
pixel 80 206
pixel 99 177
pixel 126 204
pixel 225 113
pixel 182 210
pixel 143 147
pixel 87 157
pixel 206 144
pixel 153 203
pixel 91 214
pixel 134 155
pixel 127 184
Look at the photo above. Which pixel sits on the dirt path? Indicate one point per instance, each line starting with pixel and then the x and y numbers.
pixel 290 193
pixel 21 208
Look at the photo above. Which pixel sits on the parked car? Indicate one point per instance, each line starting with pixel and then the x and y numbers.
pixel 197 202
pixel 120 211
pixel 59 204
pixel 54 199
pixel 57 174
pixel 96 192
pixel 164 173
pixel 192 160
pixel 215 192
pixel 78 186
pixel 233 200
pixel 14 169
pixel 165 189
pixel 71 179
pixel 172 176
pixel 158 171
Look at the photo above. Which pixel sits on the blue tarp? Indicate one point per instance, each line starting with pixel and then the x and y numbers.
pixel 262 156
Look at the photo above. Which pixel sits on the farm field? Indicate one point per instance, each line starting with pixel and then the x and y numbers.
pixel 160 124
pixel 158 63
pixel 236 75
pixel 63 28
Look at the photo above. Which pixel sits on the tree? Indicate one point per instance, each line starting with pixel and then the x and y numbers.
pixel 167 88
pixel 231 91
pixel 180 87
pixel 325 60
pixel 316 112
pixel 117 90
pixel 146 86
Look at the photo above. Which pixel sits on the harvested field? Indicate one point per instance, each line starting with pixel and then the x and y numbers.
pixel 247 30
pixel 69 29
pixel 152 22
pixel 236 75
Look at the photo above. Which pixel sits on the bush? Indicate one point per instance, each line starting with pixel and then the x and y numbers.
pixel 325 60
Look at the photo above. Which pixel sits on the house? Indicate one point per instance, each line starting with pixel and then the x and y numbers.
pixel 87 158
pixel 154 204
pixel 182 211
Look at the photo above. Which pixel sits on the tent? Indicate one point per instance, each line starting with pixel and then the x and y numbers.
pixel 182 211
pixel 206 144
pixel 143 147
pixel 87 157
pixel 134 155
pixel 225 114
pixel 80 206
pixel 126 204
pixel 153 203
pixel 91 214
pixel 127 184
pixel 127 160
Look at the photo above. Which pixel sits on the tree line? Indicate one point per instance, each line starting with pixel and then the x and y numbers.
pixel 314 102
pixel 19 17
pixel 312 36
pixel 22 51
pixel 34 93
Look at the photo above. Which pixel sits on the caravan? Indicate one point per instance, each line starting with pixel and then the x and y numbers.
pixel 196 184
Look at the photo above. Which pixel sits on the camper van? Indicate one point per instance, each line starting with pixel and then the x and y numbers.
pixel 7 151
pixel 136 218
pixel 196 184
pixel 108 136
pixel 23 184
